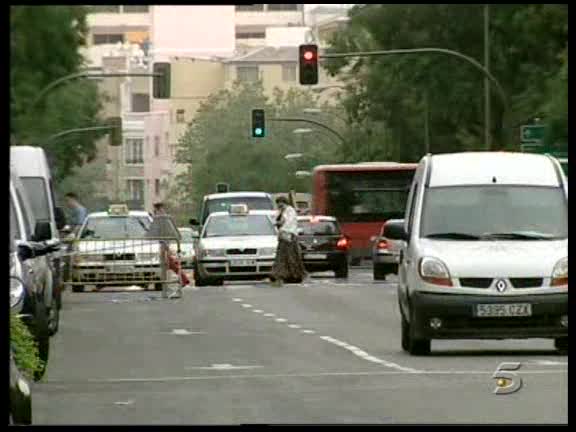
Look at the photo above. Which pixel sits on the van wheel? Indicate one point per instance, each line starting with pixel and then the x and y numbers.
pixel 405 334
pixel 54 319
pixel 561 344
pixel 416 347
pixel 41 333
pixel 77 288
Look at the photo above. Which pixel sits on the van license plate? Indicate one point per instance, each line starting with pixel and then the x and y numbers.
pixel 504 310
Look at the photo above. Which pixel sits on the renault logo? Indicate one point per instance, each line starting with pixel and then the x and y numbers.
pixel 501 285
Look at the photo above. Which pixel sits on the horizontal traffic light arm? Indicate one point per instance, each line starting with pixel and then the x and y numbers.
pixel 86 129
pixel 314 122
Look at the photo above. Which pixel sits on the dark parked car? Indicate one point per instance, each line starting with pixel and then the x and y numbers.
pixel 324 247
pixel 20 399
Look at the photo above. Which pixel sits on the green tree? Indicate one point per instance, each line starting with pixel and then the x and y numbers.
pixel 388 93
pixel 218 146
pixel 45 42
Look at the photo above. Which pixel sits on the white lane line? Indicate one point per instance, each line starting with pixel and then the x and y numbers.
pixel 307 375
pixel 246 305
pixel 548 363
pixel 308 331
pixel 294 326
pixel 184 332
pixel 269 315
pixel 281 320
pixel 237 300
pixel 258 310
pixel 222 366
pixel 365 356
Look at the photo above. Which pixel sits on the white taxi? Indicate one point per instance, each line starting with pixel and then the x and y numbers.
pixel 235 245
pixel 112 249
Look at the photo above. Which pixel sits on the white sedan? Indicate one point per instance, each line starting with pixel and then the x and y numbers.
pixel 235 245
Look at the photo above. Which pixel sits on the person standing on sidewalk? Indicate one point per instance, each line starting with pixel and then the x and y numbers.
pixel 288 266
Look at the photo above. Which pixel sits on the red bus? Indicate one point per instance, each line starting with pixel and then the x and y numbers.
pixel 362 197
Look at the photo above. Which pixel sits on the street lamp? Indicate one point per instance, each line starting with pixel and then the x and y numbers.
pixel 293 156
pixel 328 113
pixel 302 131
pixel 302 174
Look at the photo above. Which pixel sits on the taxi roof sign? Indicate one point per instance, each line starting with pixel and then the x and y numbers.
pixel 238 209
pixel 118 210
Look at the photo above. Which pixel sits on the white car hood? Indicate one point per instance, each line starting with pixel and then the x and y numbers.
pixel 496 258
pixel 239 242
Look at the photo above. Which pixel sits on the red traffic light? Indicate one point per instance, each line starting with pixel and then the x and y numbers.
pixel 308 55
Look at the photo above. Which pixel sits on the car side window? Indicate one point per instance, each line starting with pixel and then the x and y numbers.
pixel 25 215
pixel 412 207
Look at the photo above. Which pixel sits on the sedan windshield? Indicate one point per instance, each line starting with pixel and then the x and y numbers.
pixel 104 228
pixel 231 226
pixel 495 212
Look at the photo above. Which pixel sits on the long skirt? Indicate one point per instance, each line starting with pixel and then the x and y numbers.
pixel 288 265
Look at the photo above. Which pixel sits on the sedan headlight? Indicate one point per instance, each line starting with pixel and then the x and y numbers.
pixel 560 273
pixel 16 291
pixel 434 271
pixel 214 253
pixel 267 252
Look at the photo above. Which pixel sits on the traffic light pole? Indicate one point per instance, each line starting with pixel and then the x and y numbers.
pixel 452 53
pixel 86 129
pixel 314 122
pixel 85 74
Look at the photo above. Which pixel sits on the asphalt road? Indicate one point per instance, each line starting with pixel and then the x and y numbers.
pixel 326 351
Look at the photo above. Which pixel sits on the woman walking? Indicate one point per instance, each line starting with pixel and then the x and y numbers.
pixel 288 266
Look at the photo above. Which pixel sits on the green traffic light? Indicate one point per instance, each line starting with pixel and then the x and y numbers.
pixel 258 132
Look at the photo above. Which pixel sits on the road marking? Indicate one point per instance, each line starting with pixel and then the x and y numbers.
pixel 281 320
pixel 269 315
pixel 258 310
pixel 364 355
pixel 308 331
pixel 294 326
pixel 237 300
pixel 184 332
pixel 128 402
pixel 548 363
pixel 246 305
pixel 224 366
pixel 306 375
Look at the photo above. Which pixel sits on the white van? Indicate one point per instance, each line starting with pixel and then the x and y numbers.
pixel 32 167
pixel 486 250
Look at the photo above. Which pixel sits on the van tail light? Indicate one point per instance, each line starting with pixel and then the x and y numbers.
pixel 382 244
pixel 343 244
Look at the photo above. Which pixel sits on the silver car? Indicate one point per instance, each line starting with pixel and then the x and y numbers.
pixel 238 244
pixel 188 240
pixel 385 254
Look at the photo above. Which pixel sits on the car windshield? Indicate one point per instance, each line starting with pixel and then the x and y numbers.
pixel 231 226
pixel 318 228
pixel 104 228
pixel 488 212
pixel 253 203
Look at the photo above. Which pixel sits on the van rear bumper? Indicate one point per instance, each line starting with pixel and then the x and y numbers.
pixel 459 320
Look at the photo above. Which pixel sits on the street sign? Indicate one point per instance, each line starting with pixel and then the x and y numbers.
pixel 532 133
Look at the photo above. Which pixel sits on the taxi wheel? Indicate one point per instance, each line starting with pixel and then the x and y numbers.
pixel 561 344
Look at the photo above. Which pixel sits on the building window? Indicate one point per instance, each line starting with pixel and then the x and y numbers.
pixel 282 7
pixel 247 73
pixel 140 102
pixel 133 151
pixel 157 186
pixel 104 9
pixel 180 116
pixel 135 9
pixel 289 72
pixel 250 8
pixel 101 39
pixel 250 35
pixel 135 189
pixel 156 146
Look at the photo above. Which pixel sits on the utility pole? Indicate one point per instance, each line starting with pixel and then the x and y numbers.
pixel 487 88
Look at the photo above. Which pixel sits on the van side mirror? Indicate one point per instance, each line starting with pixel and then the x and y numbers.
pixel 42 232
pixel 60 218
pixel 394 230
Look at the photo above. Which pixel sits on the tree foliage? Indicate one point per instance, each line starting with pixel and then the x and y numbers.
pixel 387 95
pixel 218 146
pixel 45 42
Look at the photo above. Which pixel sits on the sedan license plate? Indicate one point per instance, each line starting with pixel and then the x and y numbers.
pixel 504 310
pixel 242 263
pixel 315 256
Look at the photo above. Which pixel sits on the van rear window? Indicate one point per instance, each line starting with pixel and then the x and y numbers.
pixel 37 195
